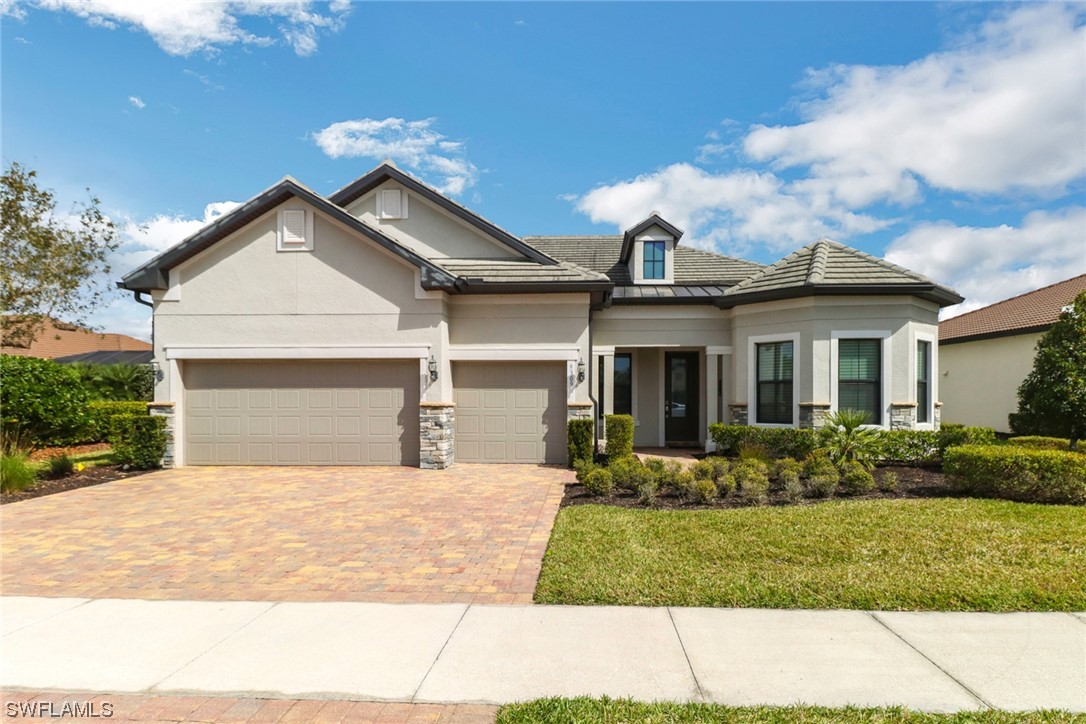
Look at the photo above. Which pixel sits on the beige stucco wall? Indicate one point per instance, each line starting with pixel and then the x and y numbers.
pixel 679 325
pixel 429 230
pixel 980 379
pixel 816 321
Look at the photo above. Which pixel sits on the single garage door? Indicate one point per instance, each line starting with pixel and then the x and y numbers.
pixel 510 412
pixel 301 412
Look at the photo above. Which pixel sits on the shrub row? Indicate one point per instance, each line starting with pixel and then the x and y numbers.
pixel 101 417
pixel 138 440
pixel 1037 442
pixel 783 442
pixel 1017 473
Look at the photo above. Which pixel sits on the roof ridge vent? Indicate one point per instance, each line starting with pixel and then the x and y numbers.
pixel 816 271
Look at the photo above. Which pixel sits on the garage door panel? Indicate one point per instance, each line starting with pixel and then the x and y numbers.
pixel 503 412
pixel 301 412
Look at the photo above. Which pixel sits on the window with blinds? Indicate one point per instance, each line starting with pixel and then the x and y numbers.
pixel 774 386
pixel 859 377
pixel 923 381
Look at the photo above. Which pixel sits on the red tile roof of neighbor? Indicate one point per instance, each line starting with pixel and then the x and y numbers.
pixel 58 339
pixel 1032 311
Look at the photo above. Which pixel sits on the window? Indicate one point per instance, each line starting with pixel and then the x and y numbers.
pixel 923 381
pixel 622 389
pixel 654 260
pixel 859 377
pixel 774 403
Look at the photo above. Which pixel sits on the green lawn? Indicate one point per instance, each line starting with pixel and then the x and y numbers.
pixel 90 460
pixel 942 554
pixel 567 711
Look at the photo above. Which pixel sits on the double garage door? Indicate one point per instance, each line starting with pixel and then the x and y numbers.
pixel 366 413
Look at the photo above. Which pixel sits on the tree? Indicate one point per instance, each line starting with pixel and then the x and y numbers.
pixel 52 266
pixel 1052 398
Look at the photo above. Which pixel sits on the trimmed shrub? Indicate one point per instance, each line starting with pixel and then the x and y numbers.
pixel 629 473
pixel 647 488
pixel 583 468
pixel 683 484
pixel 819 463
pixel 704 491
pixel 791 485
pixel 101 416
pixel 752 481
pixel 61 466
pixel 856 479
pixel 703 470
pixel 138 440
pixel 1017 473
pixel 822 485
pixel 620 431
pixel 41 403
pixel 721 466
pixel 951 435
pixel 1038 442
pixel 888 481
pixel 910 446
pixel 580 440
pixel 15 472
pixel 599 482
pixel 786 467
pixel 780 441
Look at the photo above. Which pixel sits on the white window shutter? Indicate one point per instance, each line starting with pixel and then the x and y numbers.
pixel 294 228
pixel 391 204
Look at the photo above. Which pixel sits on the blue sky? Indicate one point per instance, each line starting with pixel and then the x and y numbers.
pixel 950 138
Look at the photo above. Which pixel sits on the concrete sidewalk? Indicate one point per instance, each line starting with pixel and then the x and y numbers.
pixel 453 653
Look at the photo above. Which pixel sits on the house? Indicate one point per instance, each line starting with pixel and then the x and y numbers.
pixel 58 339
pixel 388 324
pixel 987 353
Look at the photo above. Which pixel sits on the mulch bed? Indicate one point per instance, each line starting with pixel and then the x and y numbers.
pixel 71 451
pixel 90 476
pixel 918 482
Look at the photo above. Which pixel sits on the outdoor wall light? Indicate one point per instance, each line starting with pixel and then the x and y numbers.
pixel 159 375
pixel 432 366
pixel 580 370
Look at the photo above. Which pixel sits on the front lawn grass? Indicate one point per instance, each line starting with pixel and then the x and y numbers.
pixel 941 554
pixel 89 459
pixel 563 711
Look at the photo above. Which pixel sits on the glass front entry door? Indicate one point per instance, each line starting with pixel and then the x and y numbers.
pixel 681 395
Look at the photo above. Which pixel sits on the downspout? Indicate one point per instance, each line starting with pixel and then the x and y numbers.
pixel 591 395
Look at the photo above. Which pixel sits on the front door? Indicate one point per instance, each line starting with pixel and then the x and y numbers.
pixel 681 397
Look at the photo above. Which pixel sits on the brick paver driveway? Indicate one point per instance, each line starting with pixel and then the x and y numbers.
pixel 473 533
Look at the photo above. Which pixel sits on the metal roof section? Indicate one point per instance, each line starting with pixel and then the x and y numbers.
pixel 388 171
pixel 153 274
pixel 105 357
pixel 654 220
pixel 827 267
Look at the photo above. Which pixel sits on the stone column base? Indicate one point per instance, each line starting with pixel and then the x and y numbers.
pixel 437 428
pixel 165 409
pixel 578 410
pixel 813 415
pixel 738 413
pixel 902 415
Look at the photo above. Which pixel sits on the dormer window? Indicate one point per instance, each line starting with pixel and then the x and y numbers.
pixel 654 266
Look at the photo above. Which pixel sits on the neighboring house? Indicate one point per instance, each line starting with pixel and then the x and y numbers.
pixel 987 353
pixel 58 339
pixel 387 324
pixel 110 358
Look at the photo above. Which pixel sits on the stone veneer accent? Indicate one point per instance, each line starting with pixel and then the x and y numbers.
pixel 739 413
pixel 165 409
pixel 578 410
pixel 813 414
pixel 902 415
pixel 437 426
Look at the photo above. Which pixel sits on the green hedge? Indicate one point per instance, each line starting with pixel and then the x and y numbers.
pixel 782 442
pixel 951 435
pixel 620 432
pixel 581 448
pixel 1038 442
pixel 102 414
pixel 910 446
pixel 42 403
pixel 138 440
pixel 1017 473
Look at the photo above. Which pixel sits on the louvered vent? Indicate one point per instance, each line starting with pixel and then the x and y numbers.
pixel 391 204
pixel 293 228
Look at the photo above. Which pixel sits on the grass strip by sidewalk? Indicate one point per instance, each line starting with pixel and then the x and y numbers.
pixel 942 554
pixel 611 711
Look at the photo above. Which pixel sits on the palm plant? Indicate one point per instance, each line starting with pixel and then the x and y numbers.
pixel 846 437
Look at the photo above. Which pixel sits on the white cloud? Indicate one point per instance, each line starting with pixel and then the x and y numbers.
pixel 988 264
pixel 183 27
pixel 137 102
pixel 208 84
pixel 734 209
pixel 413 144
pixel 1003 111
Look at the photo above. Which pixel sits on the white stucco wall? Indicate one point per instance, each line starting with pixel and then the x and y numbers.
pixel 980 379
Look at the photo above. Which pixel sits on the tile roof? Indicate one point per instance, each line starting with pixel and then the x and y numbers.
pixel 517 271
pixel 58 339
pixel 828 264
pixel 1031 311
pixel 693 267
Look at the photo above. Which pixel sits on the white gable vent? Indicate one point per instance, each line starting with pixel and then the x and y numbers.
pixel 295 230
pixel 392 204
